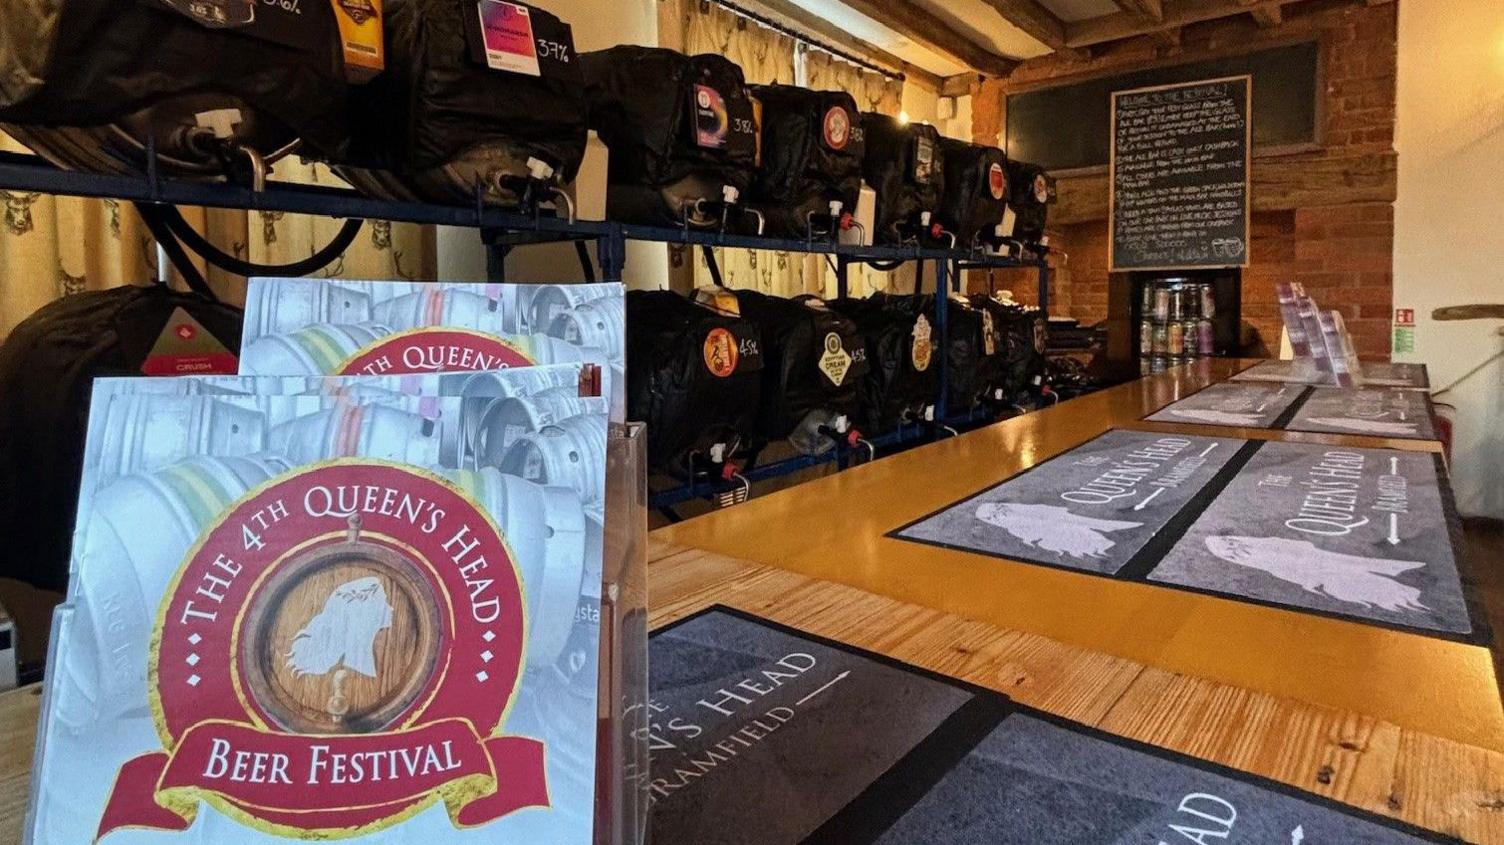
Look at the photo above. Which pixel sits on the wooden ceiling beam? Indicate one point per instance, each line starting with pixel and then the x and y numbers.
pixel 1177 13
pixel 1268 17
pixel 912 21
pixel 796 17
pixel 1034 20
pixel 1148 11
pixel 960 84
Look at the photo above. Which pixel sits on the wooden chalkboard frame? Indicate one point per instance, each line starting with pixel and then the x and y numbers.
pixel 1112 171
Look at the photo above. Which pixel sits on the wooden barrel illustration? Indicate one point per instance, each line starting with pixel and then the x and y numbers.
pixel 286 305
pixel 341 637
pixel 570 453
pixel 369 430
pixel 432 305
pixel 314 350
pixel 138 531
pixel 547 529
pixel 503 421
pixel 600 323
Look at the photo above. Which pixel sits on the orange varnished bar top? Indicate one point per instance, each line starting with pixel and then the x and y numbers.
pixel 835 528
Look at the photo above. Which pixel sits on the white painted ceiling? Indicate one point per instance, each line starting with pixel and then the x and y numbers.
pixel 983 24
pixel 973 18
pixel 862 27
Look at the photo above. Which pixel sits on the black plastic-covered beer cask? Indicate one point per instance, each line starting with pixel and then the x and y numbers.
pixel 814 361
pixel 451 113
pixel 1021 334
pixel 680 128
pixel 1031 192
pixel 976 189
pixel 813 149
pixel 695 376
pixel 903 360
pixel 88 84
pixel 905 167
pixel 975 350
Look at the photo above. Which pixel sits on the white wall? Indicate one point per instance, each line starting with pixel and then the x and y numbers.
pixel 597 24
pixel 1449 220
pixel 920 103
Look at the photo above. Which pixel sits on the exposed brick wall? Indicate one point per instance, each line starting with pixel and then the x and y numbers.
pixel 1341 249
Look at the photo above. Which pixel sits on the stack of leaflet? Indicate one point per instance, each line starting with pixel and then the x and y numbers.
pixel 374 588
pixel 1323 347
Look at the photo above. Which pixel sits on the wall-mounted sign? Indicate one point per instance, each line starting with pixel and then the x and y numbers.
pixel 1178 185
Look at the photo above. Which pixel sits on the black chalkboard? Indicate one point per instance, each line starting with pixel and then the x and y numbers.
pixel 1067 126
pixel 1179 176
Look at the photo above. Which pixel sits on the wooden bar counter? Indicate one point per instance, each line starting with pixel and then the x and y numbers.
pixel 835 529
pixel 1394 723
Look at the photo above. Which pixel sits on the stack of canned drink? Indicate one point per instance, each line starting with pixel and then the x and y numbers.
pixel 1175 326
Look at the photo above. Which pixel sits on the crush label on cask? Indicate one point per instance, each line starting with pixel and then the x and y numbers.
pixel 336 654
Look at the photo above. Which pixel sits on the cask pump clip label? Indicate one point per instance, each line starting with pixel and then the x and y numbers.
pixel 336 654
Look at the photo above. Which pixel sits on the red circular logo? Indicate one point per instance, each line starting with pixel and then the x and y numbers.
pixel 997 181
pixel 337 653
pixel 433 350
pixel 837 128
pixel 721 353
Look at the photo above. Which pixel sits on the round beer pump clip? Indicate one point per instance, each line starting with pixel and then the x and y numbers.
pixel 721 353
pixel 997 181
pixel 837 128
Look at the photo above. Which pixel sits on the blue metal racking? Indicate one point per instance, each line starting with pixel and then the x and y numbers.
pixel 505 229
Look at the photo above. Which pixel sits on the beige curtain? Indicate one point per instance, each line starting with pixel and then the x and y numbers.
pixel 53 246
pixel 766 58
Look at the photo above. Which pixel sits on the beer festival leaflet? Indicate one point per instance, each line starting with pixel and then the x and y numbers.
pixel 347 615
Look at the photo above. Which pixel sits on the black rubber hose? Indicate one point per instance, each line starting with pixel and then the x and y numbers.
pixel 715 268
pixel 585 263
pixel 175 254
pixel 223 260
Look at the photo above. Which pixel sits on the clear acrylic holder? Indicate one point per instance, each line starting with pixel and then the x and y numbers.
pixel 621 808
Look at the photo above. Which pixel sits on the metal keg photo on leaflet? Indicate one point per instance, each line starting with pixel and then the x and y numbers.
pixel 766 735
pixel 1366 535
pixel 344 327
pixel 368 611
